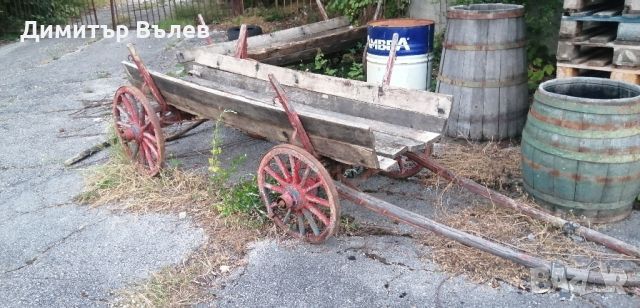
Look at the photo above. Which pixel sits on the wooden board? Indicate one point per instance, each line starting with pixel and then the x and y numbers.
pixel 436 105
pixel 566 70
pixel 306 48
pixel 391 140
pixel 289 45
pixel 580 4
pixel 350 143
pixel 415 123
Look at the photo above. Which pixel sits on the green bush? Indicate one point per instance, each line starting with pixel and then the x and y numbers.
pixel 45 12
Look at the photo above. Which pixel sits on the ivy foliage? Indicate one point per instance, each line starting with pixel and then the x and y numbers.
pixel 13 13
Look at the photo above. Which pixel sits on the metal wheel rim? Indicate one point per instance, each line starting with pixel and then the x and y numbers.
pixel 308 199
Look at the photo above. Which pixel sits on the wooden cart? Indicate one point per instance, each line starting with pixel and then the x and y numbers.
pixel 328 123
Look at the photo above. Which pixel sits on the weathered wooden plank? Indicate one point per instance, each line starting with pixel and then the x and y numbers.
pixel 629 32
pixel 387 164
pixel 329 42
pixel 580 4
pixel 437 105
pixel 351 143
pixel 632 78
pixel 261 41
pixel 330 102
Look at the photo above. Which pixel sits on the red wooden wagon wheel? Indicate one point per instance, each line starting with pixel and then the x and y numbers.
pixel 406 167
pixel 138 129
pixel 299 193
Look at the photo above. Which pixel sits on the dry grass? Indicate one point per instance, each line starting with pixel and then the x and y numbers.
pixel 492 164
pixel 117 184
pixel 498 167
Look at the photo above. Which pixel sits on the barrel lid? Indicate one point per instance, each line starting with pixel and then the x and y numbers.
pixel 401 22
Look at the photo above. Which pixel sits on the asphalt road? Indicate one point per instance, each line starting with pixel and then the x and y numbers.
pixel 55 252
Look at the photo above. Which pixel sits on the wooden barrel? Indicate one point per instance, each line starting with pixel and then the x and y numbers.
pixel 484 67
pixel 581 148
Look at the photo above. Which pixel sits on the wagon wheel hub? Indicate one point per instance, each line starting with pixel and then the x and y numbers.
pixel 134 133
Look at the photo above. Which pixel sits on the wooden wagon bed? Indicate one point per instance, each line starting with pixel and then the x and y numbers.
pixel 350 121
pixel 290 45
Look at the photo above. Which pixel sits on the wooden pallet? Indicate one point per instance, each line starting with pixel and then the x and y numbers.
pixel 581 41
pixel 566 70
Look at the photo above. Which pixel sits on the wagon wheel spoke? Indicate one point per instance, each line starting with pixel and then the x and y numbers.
pixel 312 222
pixel 283 168
pixel 276 188
pixel 293 163
pixel 301 228
pixel 305 174
pixel 131 111
pixel 315 211
pixel 275 176
pixel 150 137
pixel 151 147
pixel 286 217
pixel 314 186
pixel 318 200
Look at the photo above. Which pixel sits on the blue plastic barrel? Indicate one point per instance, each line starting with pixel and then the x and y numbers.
pixel 414 52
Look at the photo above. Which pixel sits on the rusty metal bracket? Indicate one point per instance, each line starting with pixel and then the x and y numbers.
pixel 241 44
pixel 148 81
pixel 298 129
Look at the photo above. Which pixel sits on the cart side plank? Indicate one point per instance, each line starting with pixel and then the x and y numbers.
pixel 390 140
pixel 428 103
pixel 416 120
pixel 265 40
pixel 347 142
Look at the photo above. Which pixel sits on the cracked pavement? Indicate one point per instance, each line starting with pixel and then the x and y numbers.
pixel 53 251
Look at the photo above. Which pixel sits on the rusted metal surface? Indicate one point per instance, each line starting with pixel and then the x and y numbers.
pixel 386 80
pixel 387 209
pixel 506 202
pixel 298 129
pixel 138 129
pixel 299 194
pixel 406 166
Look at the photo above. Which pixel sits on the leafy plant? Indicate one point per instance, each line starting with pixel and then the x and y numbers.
pixel 242 198
pixel 346 65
